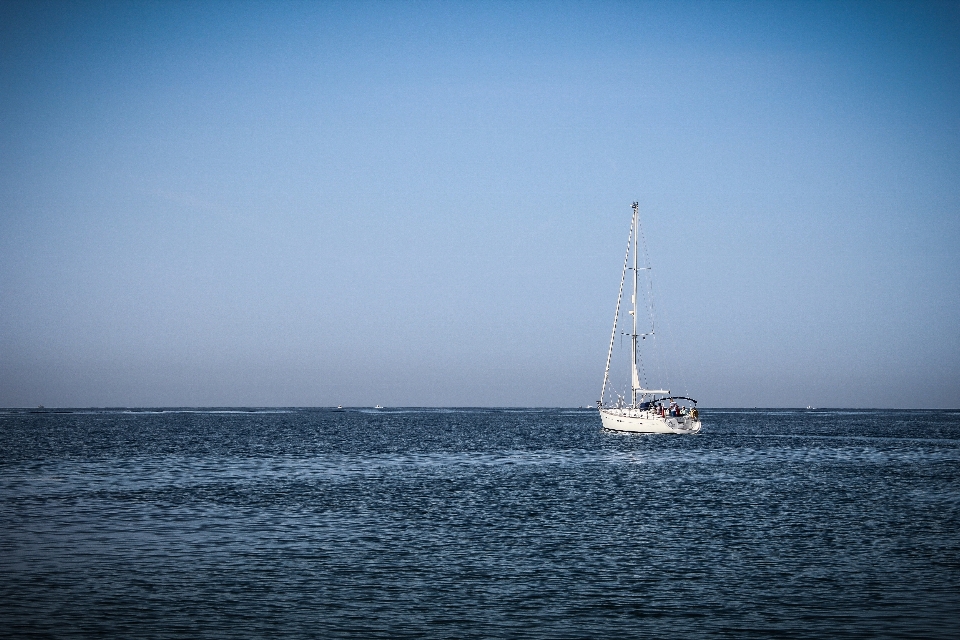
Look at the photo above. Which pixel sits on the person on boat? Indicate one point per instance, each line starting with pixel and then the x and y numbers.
pixel 674 408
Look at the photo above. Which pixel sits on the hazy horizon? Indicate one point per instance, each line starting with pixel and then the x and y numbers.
pixel 452 408
pixel 320 204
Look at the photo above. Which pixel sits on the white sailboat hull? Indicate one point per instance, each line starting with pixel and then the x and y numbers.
pixel 637 421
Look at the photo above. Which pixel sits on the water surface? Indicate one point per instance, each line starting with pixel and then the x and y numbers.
pixel 477 523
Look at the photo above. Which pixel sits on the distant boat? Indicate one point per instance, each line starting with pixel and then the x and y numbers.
pixel 339 407
pixel 646 410
pixel 378 407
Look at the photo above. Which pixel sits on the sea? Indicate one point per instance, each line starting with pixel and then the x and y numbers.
pixel 477 523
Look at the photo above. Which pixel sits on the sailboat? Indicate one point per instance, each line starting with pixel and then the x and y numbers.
pixel 645 410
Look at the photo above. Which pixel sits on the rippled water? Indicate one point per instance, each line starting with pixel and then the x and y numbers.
pixel 478 523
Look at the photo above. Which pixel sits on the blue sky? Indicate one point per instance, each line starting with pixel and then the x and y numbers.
pixel 312 204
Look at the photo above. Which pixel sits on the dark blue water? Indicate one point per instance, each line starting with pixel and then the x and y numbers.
pixel 478 523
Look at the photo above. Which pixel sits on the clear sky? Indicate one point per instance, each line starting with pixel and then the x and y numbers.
pixel 308 204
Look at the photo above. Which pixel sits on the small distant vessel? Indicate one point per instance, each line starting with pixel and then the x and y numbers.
pixel 378 407
pixel 339 408
pixel 646 410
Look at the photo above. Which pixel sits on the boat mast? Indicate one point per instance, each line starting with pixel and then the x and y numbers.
pixel 616 314
pixel 636 248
